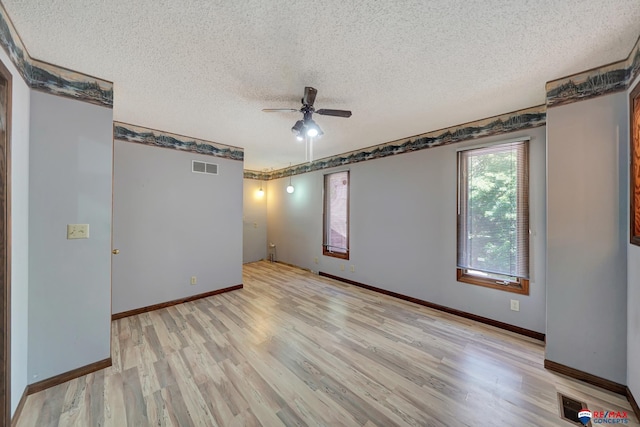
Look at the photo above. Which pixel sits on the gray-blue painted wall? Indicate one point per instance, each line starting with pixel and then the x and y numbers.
pixel 587 229
pixel 171 224
pixel 70 174
pixel 254 222
pixel 633 308
pixel 21 97
pixel 403 229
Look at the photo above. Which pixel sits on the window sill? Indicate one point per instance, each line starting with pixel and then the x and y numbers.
pixel 345 255
pixel 520 287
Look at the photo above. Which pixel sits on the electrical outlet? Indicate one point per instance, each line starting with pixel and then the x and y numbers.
pixel 353 268
pixel 515 305
pixel 194 280
pixel 315 260
pixel 341 267
pixel 255 225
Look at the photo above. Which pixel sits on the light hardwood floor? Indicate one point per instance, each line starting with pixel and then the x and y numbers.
pixel 292 348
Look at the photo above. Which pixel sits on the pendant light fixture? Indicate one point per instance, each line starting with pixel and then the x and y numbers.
pixel 260 192
pixel 290 188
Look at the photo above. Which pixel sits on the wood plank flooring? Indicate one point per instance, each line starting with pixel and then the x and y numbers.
pixel 296 349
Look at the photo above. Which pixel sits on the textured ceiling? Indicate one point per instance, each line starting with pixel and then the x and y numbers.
pixel 206 68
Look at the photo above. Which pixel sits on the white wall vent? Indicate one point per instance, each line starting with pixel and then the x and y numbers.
pixel 202 167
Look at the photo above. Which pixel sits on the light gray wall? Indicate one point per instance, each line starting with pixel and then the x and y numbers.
pixel 69 280
pixel 403 230
pixel 171 224
pixel 587 236
pixel 633 324
pixel 19 231
pixel 254 219
pixel 633 307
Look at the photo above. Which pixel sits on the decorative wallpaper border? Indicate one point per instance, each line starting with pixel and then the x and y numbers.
pixel 633 63
pixel 156 138
pixel 599 81
pixel 61 81
pixel 251 174
pixel 51 78
pixel 511 122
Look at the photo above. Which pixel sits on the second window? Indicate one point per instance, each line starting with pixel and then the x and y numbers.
pixel 336 215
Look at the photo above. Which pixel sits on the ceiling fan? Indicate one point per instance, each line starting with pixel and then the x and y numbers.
pixel 307 126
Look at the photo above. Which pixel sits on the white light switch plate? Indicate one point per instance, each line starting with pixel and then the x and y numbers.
pixel 77 231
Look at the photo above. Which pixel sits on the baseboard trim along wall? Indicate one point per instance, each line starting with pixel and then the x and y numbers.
pixel 586 377
pixel 146 309
pixel 68 376
pixel 512 328
pixel 16 414
pixel 634 403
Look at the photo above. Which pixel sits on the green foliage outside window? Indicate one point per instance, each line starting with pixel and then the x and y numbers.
pixel 492 211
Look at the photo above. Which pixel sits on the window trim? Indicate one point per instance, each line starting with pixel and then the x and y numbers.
pixel 634 167
pixel 325 250
pixel 5 257
pixel 521 284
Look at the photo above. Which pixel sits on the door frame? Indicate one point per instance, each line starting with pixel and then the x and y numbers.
pixel 5 258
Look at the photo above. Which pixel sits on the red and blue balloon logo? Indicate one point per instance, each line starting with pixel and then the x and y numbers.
pixel 585 416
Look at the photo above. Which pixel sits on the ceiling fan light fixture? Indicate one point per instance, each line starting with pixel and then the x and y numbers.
pixel 298 129
pixel 312 128
pixel 307 128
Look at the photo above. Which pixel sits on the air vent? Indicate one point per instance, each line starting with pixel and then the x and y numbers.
pixel 198 167
pixel 569 409
pixel 211 168
pixel 202 167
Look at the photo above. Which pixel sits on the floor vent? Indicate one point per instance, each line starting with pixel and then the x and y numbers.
pixel 202 167
pixel 569 409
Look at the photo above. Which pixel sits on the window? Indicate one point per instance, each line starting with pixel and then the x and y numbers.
pixel 493 217
pixel 336 215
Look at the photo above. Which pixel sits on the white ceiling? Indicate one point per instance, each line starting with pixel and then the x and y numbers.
pixel 206 68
